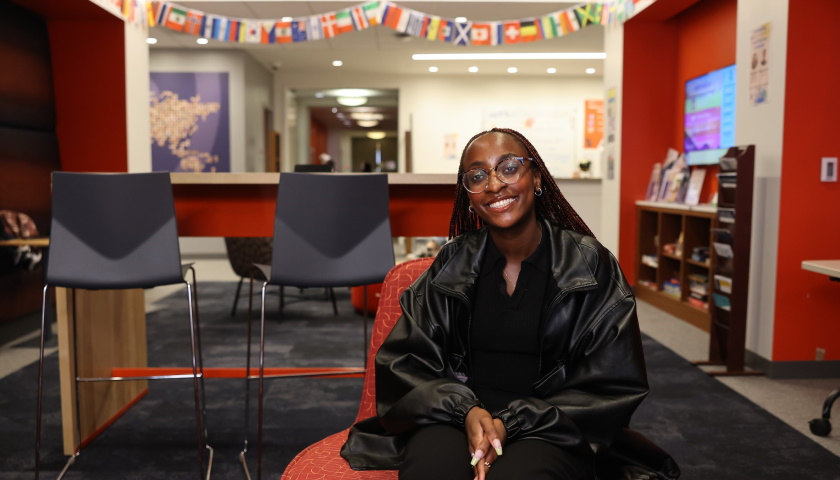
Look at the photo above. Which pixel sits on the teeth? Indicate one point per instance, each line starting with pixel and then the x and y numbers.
pixel 501 203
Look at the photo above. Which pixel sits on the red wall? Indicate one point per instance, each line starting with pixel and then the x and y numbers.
pixel 660 54
pixel 807 304
pixel 88 62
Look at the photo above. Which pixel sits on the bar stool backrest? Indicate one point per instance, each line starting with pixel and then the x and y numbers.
pixel 113 231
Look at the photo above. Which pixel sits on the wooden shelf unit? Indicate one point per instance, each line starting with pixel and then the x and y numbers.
pixel 660 224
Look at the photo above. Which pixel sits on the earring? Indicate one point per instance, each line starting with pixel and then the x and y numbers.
pixel 469 207
pixel 538 192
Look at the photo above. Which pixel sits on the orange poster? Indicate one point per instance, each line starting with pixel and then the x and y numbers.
pixel 594 132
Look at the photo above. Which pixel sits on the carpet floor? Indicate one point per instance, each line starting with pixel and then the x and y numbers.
pixel 711 431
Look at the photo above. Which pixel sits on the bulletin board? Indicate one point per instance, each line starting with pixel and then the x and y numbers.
pixel 552 131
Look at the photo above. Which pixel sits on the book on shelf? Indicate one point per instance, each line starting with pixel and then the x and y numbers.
pixel 695 185
pixel 650 260
pixel 698 303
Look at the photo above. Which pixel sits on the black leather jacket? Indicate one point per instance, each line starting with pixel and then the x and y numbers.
pixel 592 370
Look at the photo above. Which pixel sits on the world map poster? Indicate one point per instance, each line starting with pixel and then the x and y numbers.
pixel 190 129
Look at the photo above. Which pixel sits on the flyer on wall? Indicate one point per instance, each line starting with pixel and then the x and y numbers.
pixel 759 64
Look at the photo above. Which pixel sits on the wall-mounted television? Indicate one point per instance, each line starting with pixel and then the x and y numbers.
pixel 709 116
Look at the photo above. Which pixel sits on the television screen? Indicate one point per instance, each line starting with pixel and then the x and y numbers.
pixel 709 116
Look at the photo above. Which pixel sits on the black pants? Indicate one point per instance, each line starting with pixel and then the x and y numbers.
pixel 441 452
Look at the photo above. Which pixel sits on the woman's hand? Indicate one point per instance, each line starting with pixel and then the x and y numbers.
pixel 486 437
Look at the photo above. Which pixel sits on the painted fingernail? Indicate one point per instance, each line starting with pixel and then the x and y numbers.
pixel 497 444
pixel 476 457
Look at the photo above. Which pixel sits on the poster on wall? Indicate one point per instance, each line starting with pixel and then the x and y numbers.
pixel 594 131
pixel 759 64
pixel 552 131
pixel 450 146
pixel 190 129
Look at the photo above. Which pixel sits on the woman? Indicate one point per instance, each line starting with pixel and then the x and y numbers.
pixel 518 350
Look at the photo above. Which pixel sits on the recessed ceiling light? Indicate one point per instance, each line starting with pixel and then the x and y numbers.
pixel 351 101
pixel 376 135
pixel 367 116
pixel 461 19
pixel 433 69
pixel 334 110
pixel 590 71
pixel 319 95
pixel 367 123
pixel 286 19
pixel 151 40
pixel 551 70
pixel 511 56
pixel 339 115
pixel 473 69
pixel 337 63
pixel 202 41
pixel 512 69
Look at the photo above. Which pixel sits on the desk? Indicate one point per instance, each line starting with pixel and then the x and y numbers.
pixel 825 267
pixel 212 205
pixel 822 426
pixel 40 242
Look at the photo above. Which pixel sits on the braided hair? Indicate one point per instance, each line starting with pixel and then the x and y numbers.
pixel 552 205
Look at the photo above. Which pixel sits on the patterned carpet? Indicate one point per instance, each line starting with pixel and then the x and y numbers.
pixel 712 432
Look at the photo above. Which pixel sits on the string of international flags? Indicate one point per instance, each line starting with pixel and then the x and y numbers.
pixel 369 14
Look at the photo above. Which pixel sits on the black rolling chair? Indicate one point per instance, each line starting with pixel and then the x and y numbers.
pixel 118 231
pixel 329 231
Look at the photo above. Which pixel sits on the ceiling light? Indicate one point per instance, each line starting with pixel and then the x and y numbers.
pixel 590 71
pixel 286 19
pixel 319 95
pixel 367 123
pixel 334 110
pixel 151 40
pixel 367 116
pixel 376 135
pixel 512 69
pixel 337 63
pixel 511 56
pixel 202 41
pixel 351 92
pixel 551 70
pixel 351 101
pixel 433 69
pixel 473 69
pixel 460 19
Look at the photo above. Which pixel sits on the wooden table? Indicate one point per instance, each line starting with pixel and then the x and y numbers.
pixel 212 205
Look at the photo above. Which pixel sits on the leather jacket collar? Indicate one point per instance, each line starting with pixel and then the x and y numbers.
pixel 570 267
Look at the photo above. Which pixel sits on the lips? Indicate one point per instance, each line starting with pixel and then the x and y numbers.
pixel 501 204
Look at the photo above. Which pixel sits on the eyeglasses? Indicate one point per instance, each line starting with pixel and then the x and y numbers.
pixel 508 171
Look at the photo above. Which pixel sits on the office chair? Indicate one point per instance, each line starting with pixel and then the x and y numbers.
pixel 322 459
pixel 243 253
pixel 329 231
pixel 313 168
pixel 111 232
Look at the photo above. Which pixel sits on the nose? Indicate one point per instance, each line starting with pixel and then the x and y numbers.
pixel 494 184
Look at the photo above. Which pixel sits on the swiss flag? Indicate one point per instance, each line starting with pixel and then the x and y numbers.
pixel 511 32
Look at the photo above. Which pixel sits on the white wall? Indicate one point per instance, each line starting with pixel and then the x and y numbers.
pixel 438 105
pixel 763 126
pixel 258 98
pixel 611 187
pixel 137 98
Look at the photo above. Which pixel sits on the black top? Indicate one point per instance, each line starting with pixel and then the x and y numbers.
pixel 504 334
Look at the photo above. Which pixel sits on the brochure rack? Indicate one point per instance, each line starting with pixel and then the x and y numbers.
pixel 729 285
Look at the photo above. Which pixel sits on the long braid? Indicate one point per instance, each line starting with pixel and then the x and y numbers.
pixel 551 204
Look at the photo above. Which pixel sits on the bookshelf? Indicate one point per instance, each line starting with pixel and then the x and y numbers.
pixel 674 259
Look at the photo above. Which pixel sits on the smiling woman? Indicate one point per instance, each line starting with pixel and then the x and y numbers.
pixel 520 342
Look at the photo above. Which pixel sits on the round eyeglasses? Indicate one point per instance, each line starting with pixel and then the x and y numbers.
pixel 508 171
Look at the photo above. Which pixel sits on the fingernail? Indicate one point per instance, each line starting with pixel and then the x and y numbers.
pixel 497 444
pixel 476 456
